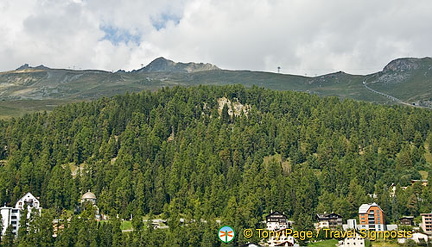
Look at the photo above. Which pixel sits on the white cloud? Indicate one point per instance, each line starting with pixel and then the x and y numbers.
pixel 302 36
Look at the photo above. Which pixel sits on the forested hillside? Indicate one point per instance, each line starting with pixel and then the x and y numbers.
pixel 174 152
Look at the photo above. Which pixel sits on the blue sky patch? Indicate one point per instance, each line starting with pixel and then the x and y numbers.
pixel 161 21
pixel 117 35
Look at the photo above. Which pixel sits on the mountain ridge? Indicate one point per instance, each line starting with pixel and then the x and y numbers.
pixel 408 79
pixel 162 64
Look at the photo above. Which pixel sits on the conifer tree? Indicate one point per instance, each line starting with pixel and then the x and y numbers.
pixel 8 239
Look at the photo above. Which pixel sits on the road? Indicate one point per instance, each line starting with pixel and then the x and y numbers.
pixel 386 95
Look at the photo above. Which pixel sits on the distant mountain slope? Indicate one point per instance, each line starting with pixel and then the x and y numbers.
pixel 408 79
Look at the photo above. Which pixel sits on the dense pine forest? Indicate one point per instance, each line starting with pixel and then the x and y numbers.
pixel 178 154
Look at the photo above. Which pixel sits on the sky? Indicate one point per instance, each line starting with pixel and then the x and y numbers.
pixel 302 37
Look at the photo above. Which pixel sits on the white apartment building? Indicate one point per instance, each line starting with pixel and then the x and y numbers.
pixel 11 216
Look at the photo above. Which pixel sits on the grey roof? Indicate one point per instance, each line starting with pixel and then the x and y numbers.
pixel 365 207
pixel 88 195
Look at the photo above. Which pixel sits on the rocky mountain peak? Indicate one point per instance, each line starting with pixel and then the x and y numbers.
pixel 26 67
pixel 405 64
pixel 159 64
pixel 165 65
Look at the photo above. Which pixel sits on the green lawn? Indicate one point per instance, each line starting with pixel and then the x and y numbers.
pixel 325 243
pixel 384 244
pixel 126 225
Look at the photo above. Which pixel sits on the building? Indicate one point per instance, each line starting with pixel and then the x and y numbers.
pixel 88 197
pixel 30 201
pixel 371 217
pixel 357 241
pixel 11 216
pixel 277 221
pixel 406 220
pixel 417 237
pixel 330 221
pixel 426 224
pixel 351 224
pixel 251 245
pixel 281 239
pixel 422 182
